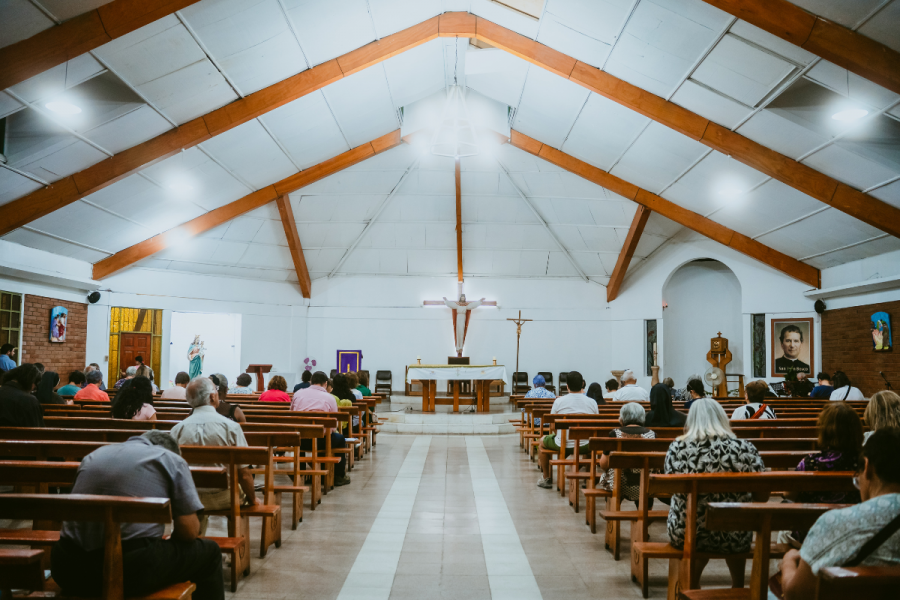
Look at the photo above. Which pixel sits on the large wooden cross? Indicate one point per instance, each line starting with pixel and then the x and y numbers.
pixel 518 321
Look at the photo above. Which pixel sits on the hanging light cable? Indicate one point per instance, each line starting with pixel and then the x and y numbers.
pixel 455 134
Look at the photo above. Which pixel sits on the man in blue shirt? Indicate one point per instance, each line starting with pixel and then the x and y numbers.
pixel 824 389
pixel 7 352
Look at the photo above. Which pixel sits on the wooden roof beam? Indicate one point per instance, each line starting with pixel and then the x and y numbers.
pixel 844 47
pixel 61 43
pixel 728 237
pixel 627 253
pixel 127 257
pixel 293 239
pixel 853 202
pixel 459 265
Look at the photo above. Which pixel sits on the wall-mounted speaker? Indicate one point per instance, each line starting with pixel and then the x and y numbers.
pixel 819 306
pixel 94 297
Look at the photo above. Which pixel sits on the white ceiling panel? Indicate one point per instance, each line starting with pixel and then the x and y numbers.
pixel 657 157
pixel 330 29
pixel 741 71
pixel 59 78
pixel 496 74
pixel 435 262
pixel 503 15
pixel 710 104
pixel 646 245
pixel 322 262
pixel 64 10
pixel 603 131
pixel 827 230
pixel 662 40
pixel 416 73
pixel 549 107
pixel 357 207
pixel 495 209
pixel 848 14
pixel 889 193
pixel 251 41
pixel 781 134
pixel 714 182
pixel 307 130
pixel 191 176
pixel 591 264
pixel 768 206
pixel 851 85
pixel 206 250
pixel 39 241
pixel 421 182
pixel 661 226
pixel 884 27
pixel 129 130
pixel 19 20
pixel 329 235
pixel 270 232
pixel 771 42
pixel 558 265
pixel 421 208
pixel 594 239
pixel 845 165
pixel 391 16
pixel 394 235
pixel 262 255
pixel 61 160
pixel 250 152
pixel 242 229
pixel 362 105
pixel 8 105
pixel 858 252
pixel 355 182
pixel 80 222
pixel 167 66
pixel 13 185
pixel 583 29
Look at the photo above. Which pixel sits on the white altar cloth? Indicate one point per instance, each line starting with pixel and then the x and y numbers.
pixel 456 372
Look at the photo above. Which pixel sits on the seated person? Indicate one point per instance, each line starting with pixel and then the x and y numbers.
pixel 88 369
pixel 130 372
pixel 824 388
pixel 135 401
pixel 838 536
pixel 18 407
pixel 76 378
pixel 539 390
pixel 662 413
pixel 277 390
pixel 883 410
pixel 595 391
pixel 305 378
pixel 670 383
pixel 206 427
pixel 242 385
pixel 844 390
pixel 353 383
pixel 92 390
pixel 363 386
pixel 45 393
pixel 177 392
pixel 316 398
pixel 7 353
pixel 630 392
pixel 225 408
pixel 756 407
pixel 147 466
pixel 709 446
pixel 611 386
pixel 575 402
pixel 632 419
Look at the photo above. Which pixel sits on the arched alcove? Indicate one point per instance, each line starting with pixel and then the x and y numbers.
pixel 703 298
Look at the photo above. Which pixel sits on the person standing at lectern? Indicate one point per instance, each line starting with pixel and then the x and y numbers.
pixel 792 346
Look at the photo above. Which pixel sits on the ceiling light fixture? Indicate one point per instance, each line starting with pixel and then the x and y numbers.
pixel 455 134
pixel 850 114
pixel 63 108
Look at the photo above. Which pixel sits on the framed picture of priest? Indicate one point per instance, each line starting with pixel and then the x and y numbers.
pixel 793 347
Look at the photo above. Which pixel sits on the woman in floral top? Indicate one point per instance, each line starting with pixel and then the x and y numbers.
pixel 709 446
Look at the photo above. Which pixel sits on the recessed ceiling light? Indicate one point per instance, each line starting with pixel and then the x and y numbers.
pixel 850 114
pixel 64 108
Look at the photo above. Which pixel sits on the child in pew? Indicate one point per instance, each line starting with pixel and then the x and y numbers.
pixel 709 446
pixel 867 534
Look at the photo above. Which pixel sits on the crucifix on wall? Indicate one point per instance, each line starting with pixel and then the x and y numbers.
pixel 518 321
pixel 461 311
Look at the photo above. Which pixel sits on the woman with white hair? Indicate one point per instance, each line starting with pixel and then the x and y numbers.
pixel 631 416
pixel 709 446
pixel 130 373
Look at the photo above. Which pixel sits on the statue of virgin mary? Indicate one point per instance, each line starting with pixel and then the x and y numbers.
pixel 195 355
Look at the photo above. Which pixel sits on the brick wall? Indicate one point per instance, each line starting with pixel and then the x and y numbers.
pixel 62 357
pixel 847 346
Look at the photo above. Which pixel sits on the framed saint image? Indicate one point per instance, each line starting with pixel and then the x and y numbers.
pixel 59 317
pixel 881 332
pixel 793 347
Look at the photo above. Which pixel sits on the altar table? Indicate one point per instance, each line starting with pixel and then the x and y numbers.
pixel 482 375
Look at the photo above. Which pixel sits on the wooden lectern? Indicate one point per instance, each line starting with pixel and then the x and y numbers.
pixel 259 370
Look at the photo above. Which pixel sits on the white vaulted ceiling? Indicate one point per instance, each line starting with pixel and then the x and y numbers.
pixel 396 211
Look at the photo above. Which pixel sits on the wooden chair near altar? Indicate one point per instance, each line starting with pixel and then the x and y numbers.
pixel 563 384
pixel 384 381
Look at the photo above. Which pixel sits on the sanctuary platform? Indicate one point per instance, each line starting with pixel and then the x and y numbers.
pixel 405 416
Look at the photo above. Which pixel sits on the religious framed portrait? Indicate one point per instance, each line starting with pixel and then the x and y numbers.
pixel 59 317
pixel 793 347
pixel 881 332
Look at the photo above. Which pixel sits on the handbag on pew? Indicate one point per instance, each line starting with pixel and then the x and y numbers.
pixel 867 549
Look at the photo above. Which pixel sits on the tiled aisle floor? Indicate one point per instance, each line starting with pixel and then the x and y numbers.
pixel 460 505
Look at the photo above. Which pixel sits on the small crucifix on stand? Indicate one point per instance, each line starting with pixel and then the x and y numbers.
pixel 518 323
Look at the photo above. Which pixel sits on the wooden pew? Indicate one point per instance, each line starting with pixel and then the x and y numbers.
pixel 682 571
pixel 872 583
pixel 21 570
pixel 112 511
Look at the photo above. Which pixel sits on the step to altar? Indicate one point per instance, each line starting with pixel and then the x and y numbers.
pixel 448 423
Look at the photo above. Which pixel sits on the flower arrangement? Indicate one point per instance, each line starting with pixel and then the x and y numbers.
pixel 309 363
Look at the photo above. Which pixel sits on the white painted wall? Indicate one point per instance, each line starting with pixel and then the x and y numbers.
pixel 703 298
